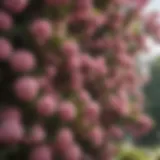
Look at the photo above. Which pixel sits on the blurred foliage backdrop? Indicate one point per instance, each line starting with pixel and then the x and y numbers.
pixel 152 93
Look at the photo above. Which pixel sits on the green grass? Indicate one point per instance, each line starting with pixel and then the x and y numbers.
pixel 130 152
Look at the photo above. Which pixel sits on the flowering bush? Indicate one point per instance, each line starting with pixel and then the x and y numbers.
pixel 68 80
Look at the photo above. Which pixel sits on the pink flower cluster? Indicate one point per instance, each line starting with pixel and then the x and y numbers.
pixel 70 86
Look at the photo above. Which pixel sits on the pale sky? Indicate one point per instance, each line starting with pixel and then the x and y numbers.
pixel 154 49
pixel 154 5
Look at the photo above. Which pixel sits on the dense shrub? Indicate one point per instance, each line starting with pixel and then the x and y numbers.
pixel 68 80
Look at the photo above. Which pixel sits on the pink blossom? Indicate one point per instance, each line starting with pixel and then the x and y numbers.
pixel 41 30
pixel 96 136
pixel 64 139
pixel 70 48
pixel 26 88
pixel 37 134
pixel 41 153
pixel 76 80
pixel 92 111
pixel 145 123
pixel 84 4
pixel 46 105
pixel 11 131
pixel 73 153
pixel 6 49
pixel 116 132
pixel 11 113
pixel 67 111
pixel 50 71
pixel 100 66
pixel 6 21
pixel 22 61
pixel 16 6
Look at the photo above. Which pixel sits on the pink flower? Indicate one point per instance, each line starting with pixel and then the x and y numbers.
pixel 67 111
pixel 96 136
pixel 84 4
pixel 46 105
pixel 76 80
pixel 26 88
pixel 5 49
pixel 6 21
pixel 50 71
pixel 41 30
pixel 120 106
pixel 145 123
pixel 110 83
pixel 116 132
pixel 41 153
pixel 73 153
pixel 100 66
pixel 64 139
pixel 22 61
pixel 84 96
pixel 141 3
pixel 16 6
pixel 125 60
pixel 11 113
pixel 70 48
pixel 11 131
pixel 92 111
pixel 74 63
pixel 37 134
